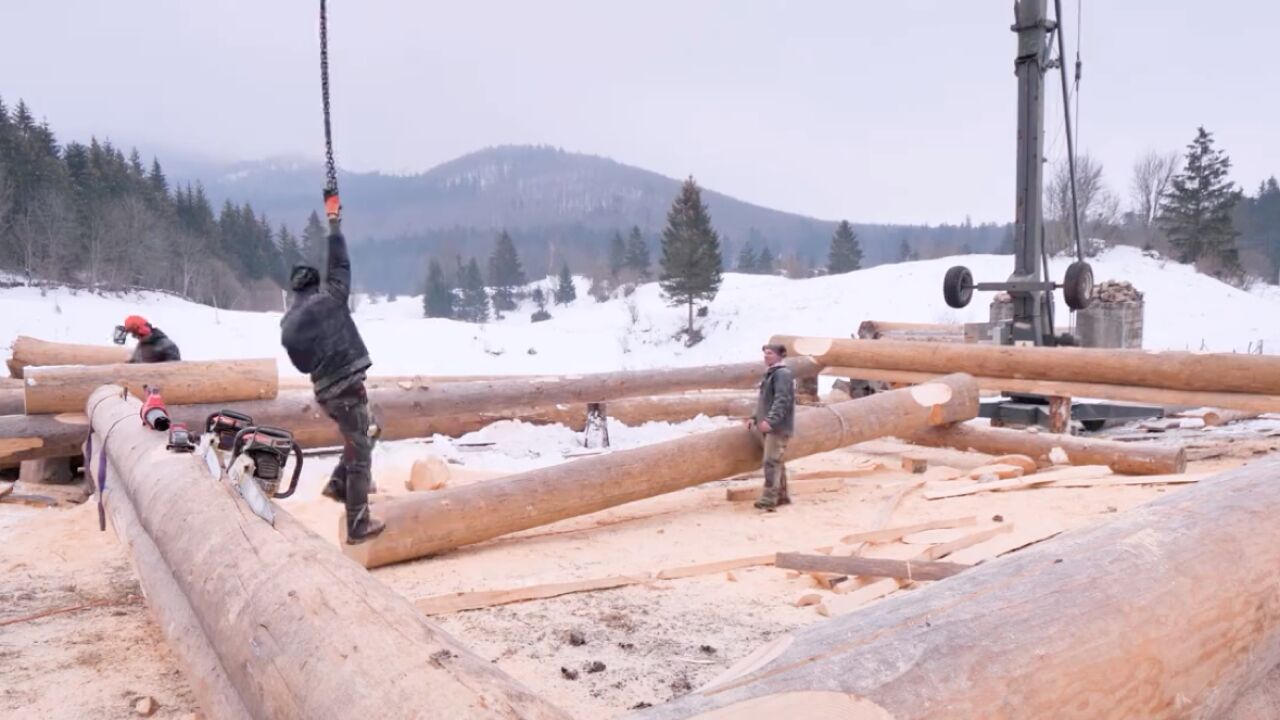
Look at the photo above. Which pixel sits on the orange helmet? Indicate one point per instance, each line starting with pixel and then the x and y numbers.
pixel 137 325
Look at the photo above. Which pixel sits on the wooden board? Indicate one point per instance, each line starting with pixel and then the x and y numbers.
pixel 870 567
pixel 896 533
pixel 1084 472
pixel 455 602
pixel 798 487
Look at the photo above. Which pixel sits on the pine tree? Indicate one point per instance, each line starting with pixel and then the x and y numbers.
pixel 1196 214
pixel 565 292
pixel 845 254
pixel 638 254
pixel 290 250
pixel 617 255
pixel 906 253
pixel 764 263
pixel 690 253
pixel 505 273
pixel 438 300
pixel 747 262
pixel 314 241
pixel 474 306
pixel 157 181
pixel 540 299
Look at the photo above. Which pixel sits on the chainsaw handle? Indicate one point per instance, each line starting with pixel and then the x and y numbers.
pixel 297 472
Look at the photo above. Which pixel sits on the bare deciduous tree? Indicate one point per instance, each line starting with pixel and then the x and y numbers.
pixel 1099 208
pixel 1151 175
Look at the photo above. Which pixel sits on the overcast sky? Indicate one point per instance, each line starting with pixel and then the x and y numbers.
pixel 886 111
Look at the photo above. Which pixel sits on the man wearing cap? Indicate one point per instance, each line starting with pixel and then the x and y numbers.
pixel 322 340
pixel 773 424
pixel 153 345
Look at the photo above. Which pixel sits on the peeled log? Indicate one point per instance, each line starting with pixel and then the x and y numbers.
pixel 26 351
pixel 300 631
pixel 66 389
pixel 11 402
pixel 1246 402
pixel 448 408
pixel 424 525
pixel 1123 458
pixel 1239 373
pixel 1168 611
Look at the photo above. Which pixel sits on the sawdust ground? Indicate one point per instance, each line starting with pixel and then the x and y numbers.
pixel 656 640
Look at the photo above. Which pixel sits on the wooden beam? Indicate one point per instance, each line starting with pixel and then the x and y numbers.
pixel 885 535
pixel 1120 457
pixel 1082 623
pixel 416 411
pixel 52 390
pixel 26 351
pixel 1221 372
pixel 456 602
pixel 429 523
pixel 300 631
pixel 1167 397
pixel 871 567
pixel 797 487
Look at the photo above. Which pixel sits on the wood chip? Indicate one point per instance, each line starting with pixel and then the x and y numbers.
pixel 807 600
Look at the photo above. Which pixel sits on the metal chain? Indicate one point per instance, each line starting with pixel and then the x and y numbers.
pixel 330 169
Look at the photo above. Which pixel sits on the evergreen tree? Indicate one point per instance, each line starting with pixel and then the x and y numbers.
pixel 845 254
pixel 474 305
pixel 505 273
pixel 617 255
pixel 565 292
pixel 1196 214
pixel 747 262
pixel 540 299
pixel 156 179
pixel 136 171
pixel 314 241
pixel 438 300
pixel 690 253
pixel 638 253
pixel 906 253
pixel 764 263
pixel 290 250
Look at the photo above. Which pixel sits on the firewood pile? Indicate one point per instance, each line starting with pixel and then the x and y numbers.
pixel 1116 291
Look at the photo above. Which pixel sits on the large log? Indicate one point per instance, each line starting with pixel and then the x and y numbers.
pixel 300 631
pixel 1168 611
pixel 430 523
pixel 65 389
pixel 1247 402
pixel 173 613
pixel 11 402
pixel 1124 458
pixel 412 412
pixel 27 351
pixel 1240 373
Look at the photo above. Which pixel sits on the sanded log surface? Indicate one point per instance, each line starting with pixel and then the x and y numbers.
pixel 1124 458
pixel 301 631
pixel 27 351
pixel 426 524
pixel 1167 611
pixel 66 389
pixel 1238 373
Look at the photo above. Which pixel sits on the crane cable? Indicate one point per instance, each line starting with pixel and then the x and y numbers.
pixel 1066 114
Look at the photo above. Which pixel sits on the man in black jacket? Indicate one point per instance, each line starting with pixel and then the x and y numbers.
pixel 153 345
pixel 773 424
pixel 322 340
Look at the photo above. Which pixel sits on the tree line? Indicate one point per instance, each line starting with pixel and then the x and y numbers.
pixel 90 215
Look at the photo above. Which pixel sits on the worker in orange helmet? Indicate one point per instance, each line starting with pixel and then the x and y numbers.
pixel 153 345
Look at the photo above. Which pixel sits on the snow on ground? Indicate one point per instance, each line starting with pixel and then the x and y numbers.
pixel 1184 310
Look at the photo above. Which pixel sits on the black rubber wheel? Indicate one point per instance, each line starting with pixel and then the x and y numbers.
pixel 957 286
pixel 1077 288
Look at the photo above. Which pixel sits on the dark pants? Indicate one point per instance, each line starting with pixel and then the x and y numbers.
pixel 352 477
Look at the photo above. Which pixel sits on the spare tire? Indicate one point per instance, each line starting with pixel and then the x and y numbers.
pixel 1077 288
pixel 957 286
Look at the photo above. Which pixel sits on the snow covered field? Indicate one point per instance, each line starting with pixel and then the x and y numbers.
pixel 1184 311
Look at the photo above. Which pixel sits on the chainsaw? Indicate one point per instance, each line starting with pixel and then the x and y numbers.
pixel 268 449
pixel 224 425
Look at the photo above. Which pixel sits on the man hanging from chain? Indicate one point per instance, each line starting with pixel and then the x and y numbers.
pixel 322 339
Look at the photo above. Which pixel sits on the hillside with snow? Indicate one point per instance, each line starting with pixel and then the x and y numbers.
pixel 1184 311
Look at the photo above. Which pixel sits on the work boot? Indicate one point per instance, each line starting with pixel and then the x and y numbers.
pixel 767 504
pixel 371 527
